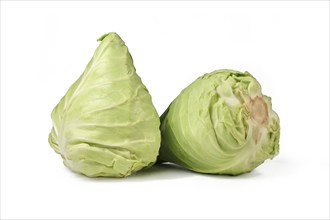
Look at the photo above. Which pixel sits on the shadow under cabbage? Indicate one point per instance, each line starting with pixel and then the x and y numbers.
pixel 168 171
pixel 164 171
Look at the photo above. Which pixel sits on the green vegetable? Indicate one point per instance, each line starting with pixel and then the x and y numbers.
pixel 106 124
pixel 220 124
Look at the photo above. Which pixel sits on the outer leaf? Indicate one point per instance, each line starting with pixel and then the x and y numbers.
pixel 220 124
pixel 106 124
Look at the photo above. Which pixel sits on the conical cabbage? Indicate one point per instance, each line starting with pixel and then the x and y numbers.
pixel 106 124
pixel 220 124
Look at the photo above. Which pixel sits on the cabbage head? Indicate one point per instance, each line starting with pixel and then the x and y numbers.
pixel 220 124
pixel 106 124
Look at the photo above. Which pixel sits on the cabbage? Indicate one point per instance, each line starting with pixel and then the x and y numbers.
pixel 220 124
pixel 106 124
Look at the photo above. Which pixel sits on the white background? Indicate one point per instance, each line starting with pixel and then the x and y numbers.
pixel 45 46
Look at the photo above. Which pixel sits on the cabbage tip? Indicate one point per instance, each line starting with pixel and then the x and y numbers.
pixel 220 124
pixel 106 124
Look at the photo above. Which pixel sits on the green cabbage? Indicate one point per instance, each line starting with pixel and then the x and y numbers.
pixel 106 124
pixel 220 124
